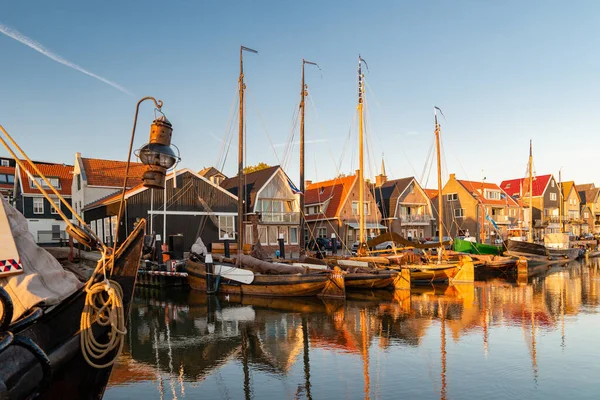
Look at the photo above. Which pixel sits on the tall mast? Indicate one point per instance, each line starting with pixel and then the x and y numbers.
pixel 561 202
pixel 439 177
pixel 240 193
pixel 361 179
pixel 302 188
pixel 530 231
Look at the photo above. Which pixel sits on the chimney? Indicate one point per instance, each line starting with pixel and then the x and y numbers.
pixel 452 176
pixel 307 183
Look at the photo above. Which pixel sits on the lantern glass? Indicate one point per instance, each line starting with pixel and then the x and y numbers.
pixel 157 154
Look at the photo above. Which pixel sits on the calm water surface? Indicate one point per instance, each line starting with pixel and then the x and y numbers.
pixel 498 338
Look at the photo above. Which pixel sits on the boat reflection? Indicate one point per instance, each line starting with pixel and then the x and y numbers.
pixel 178 342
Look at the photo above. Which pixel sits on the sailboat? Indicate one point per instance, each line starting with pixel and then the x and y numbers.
pixel 44 349
pixel 244 274
pixel 440 270
pixel 365 278
pixel 535 253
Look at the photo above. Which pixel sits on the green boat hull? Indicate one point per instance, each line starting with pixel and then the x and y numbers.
pixel 464 246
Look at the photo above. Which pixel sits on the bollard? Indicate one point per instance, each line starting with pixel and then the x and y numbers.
pixel 210 281
pixel 281 246
pixel 226 249
pixel 333 244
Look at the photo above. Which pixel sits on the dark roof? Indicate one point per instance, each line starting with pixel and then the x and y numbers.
pixel 210 172
pixel 253 182
pixel 387 195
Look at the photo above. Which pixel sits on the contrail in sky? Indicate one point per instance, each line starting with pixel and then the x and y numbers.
pixel 41 49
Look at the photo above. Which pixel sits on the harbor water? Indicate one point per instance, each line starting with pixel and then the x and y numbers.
pixel 501 337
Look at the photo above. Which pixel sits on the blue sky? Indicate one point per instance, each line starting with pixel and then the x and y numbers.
pixel 502 72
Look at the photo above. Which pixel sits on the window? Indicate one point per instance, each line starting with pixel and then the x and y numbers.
pixel 452 196
pixel 262 232
pixel 248 238
pixel 273 235
pixel 53 181
pixel 55 207
pixel 99 228
pixel 322 233
pixel 5 163
pixel 3 178
pixel 226 226
pixel 553 196
pixel 367 209
pixel 293 235
pixel 459 213
pixel 107 236
pixel 586 215
pixel 113 224
pixel 552 183
pixel 93 227
pixel 78 181
pixel 38 205
pixel 306 236
pixel 10 178
pixel 492 194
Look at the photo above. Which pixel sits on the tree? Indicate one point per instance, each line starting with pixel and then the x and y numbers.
pixel 258 167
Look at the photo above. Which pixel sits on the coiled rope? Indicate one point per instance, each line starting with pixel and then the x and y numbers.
pixel 104 306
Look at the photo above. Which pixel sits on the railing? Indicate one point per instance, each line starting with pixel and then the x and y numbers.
pixel 280 218
pixel 501 219
pixel 416 218
pixel 51 237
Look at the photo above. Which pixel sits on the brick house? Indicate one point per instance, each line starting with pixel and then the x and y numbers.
pixel 571 208
pixel 271 208
pixel 332 207
pixel 545 202
pixel 405 207
pixel 481 209
pixel 590 196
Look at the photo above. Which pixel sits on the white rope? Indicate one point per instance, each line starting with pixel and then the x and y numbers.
pixel 104 306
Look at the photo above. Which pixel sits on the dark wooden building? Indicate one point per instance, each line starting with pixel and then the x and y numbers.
pixel 195 207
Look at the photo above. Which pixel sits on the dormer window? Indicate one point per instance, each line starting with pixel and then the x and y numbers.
pixel 53 181
pixel 5 163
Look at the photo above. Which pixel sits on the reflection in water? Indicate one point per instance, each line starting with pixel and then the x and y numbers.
pixel 492 339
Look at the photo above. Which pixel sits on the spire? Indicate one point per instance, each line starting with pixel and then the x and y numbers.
pixel 381 178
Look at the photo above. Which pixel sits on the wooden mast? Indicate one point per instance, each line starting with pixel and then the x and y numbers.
pixel 561 202
pixel 361 181
pixel 302 188
pixel 530 231
pixel 439 177
pixel 240 193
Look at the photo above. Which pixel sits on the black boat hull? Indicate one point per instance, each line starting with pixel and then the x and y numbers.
pixel 57 334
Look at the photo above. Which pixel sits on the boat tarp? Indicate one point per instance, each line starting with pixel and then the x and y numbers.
pixel 43 281
pixel 402 242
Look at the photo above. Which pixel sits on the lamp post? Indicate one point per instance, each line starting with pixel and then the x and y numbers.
pixel 157 154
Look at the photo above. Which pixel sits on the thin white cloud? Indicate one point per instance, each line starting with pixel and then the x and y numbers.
pixel 305 142
pixel 14 34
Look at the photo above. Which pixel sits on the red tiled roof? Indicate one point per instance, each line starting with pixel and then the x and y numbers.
pixel 111 173
pixel 63 172
pixel 475 187
pixel 431 193
pixel 335 189
pixel 513 186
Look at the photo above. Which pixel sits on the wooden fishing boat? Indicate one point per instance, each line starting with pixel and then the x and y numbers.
pixel 532 251
pixel 42 354
pixel 567 254
pixel 369 281
pixel 277 285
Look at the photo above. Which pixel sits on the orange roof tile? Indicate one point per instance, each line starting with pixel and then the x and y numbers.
pixel 335 189
pixel 7 170
pixel 111 173
pixel 64 173
pixel 475 187
pixel 431 193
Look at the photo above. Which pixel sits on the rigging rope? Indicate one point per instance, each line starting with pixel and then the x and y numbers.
pixel 104 306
